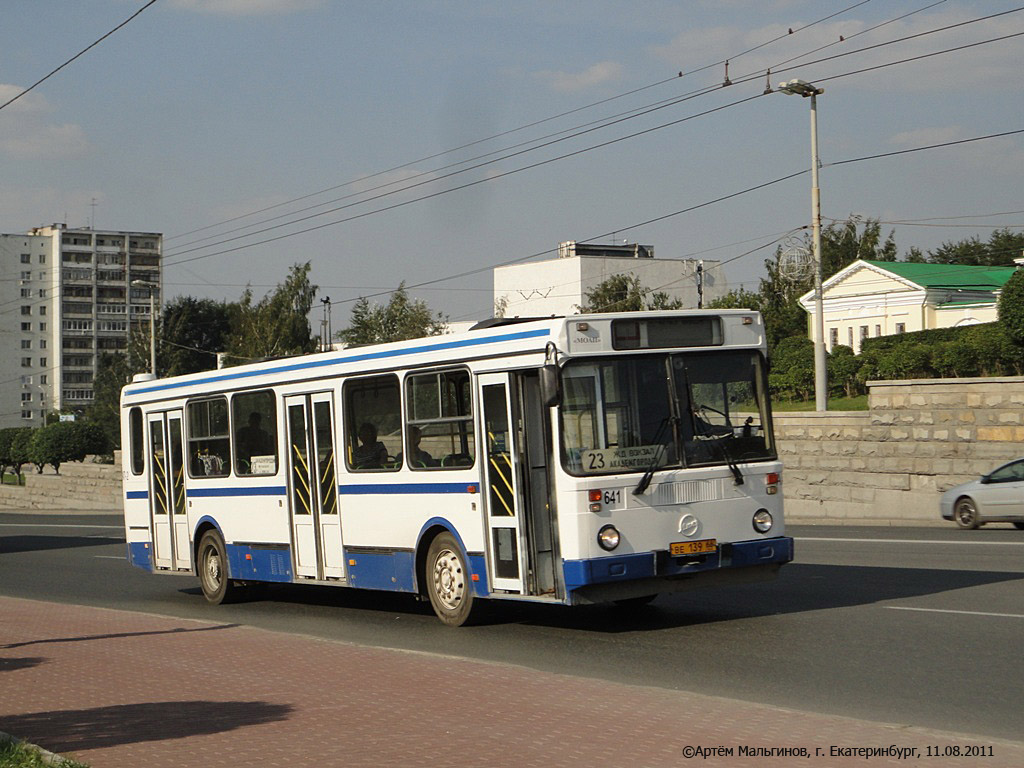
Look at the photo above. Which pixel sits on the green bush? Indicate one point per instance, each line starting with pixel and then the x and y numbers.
pixel 64 441
pixel 14 448
pixel 791 375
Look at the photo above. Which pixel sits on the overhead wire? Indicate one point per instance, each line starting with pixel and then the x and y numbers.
pixel 78 55
pixel 550 119
pixel 559 157
pixel 539 143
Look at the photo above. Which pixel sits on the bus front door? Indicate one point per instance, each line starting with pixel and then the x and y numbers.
pixel 169 522
pixel 501 473
pixel 313 491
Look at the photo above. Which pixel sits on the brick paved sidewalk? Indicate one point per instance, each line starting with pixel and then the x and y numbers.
pixel 114 688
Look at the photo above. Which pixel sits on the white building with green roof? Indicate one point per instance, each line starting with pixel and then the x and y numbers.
pixel 881 298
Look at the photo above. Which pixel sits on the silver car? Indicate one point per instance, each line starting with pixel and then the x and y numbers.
pixel 997 497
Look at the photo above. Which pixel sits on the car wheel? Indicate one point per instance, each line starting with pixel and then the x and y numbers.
pixel 965 513
pixel 448 581
pixel 213 570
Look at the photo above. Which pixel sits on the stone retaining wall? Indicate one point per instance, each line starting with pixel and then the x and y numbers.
pixel 888 465
pixel 85 485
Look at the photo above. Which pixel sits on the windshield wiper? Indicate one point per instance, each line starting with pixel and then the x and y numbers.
pixel 718 440
pixel 648 475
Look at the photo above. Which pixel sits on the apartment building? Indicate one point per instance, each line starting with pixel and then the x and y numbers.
pixel 68 296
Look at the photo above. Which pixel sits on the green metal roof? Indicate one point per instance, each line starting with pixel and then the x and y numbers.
pixel 952 276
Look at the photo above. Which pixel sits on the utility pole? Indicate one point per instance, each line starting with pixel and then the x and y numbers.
pixel 700 284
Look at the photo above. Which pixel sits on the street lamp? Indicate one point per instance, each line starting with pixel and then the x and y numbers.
pixel 805 89
pixel 152 320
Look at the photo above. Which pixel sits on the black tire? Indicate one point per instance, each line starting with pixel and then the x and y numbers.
pixel 212 565
pixel 965 513
pixel 446 579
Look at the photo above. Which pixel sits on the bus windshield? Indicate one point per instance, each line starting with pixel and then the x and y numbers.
pixel 632 414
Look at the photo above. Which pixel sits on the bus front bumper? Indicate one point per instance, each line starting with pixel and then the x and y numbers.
pixel 616 578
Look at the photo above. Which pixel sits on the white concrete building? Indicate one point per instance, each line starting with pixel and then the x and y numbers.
pixel 68 298
pixel 559 286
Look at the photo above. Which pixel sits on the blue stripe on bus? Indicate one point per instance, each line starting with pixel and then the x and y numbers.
pixel 137 495
pixel 268 490
pixel 393 488
pixel 355 358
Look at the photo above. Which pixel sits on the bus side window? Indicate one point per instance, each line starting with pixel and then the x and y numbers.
pixel 373 424
pixel 254 425
pixel 439 413
pixel 209 446
pixel 137 447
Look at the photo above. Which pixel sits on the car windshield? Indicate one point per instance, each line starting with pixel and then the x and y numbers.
pixel 633 414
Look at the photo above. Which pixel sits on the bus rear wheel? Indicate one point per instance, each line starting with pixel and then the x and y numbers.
pixel 447 581
pixel 213 569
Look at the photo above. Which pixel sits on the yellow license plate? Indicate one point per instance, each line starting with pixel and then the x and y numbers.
pixel 699 547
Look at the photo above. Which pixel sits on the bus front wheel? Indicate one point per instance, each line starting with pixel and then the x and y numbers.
pixel 447 581
pixel 213 569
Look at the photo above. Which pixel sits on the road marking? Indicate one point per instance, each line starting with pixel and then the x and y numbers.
pixel 54 525
pixel 915 541
pixel 962 613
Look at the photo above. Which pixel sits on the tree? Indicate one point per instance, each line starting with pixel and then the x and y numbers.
pixel 277 325
pixel 1000 250
pixel 792 371
pixel 14 444
pixel 1011 307
pixel 401 318
pixel 192 332
pixel 625 293
pixel 842 366
pixel 65 441
pixel 843 243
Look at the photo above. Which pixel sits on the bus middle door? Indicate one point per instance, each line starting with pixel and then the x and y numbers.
pixel 313 492
pixel 168 519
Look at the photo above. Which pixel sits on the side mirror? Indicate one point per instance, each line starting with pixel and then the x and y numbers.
pixel 985 479
pixel 550 385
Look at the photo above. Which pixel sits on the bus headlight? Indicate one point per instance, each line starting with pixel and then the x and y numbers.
pixel 762 521
pixel 608 537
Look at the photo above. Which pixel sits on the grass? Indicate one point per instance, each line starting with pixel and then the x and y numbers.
pixel 859 403
pixel 16 754
pixel 9 479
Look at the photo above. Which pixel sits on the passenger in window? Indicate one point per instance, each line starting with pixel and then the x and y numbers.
pixel 417 456
pixel 370 453
pixel 209 464
pixel 253 440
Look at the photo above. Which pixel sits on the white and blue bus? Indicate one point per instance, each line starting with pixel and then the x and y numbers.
pixel 593 458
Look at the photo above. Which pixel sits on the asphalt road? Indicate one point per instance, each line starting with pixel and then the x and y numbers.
pixel 919 626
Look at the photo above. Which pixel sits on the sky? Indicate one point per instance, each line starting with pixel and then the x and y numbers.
pixel 429 141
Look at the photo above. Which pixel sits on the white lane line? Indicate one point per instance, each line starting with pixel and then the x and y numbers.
pixel 55 525
pixel 961 613
pixel 915 541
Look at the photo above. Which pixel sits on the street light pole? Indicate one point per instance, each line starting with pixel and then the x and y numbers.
pixel 152 322
pixel 805 89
